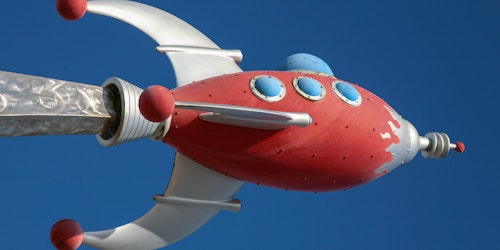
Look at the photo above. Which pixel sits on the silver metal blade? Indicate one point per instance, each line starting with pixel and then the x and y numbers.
pixel 32 105
pixel 246 116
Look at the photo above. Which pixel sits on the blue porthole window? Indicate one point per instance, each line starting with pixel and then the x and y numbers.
pixel 347 93
pixel 309 88
pixel 267 88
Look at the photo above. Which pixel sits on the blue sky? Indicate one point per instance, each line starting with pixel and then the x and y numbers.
pixel 435 62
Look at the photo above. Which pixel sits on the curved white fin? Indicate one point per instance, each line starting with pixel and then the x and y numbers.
pixel 168 30
pixel 194 193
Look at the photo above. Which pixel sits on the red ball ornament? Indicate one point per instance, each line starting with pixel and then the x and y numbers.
pixel 460 147
pixel 156 103
pixel 71 9
pixel 66 234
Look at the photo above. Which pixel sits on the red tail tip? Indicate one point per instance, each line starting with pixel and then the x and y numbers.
pixel 156 103
pixel 71 9
pixel 66 234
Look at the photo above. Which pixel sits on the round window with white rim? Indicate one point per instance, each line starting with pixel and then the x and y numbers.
pixel 267 88
pixel 347 93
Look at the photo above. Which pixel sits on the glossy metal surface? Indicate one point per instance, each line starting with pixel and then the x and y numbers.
pixel 247 116
pixel 129 124
pixel 31 105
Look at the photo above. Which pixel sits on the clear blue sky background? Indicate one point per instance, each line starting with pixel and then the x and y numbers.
pixel 435 62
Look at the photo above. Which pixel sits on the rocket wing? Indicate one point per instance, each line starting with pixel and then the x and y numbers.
pixel 193 196
pixel 193 56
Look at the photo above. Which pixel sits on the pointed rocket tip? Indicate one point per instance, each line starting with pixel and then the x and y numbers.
pixel 71 9
pixel 460 147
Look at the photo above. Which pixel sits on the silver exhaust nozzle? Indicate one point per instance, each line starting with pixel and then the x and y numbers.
pixel 129 124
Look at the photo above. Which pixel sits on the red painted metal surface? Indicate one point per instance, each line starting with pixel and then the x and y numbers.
pixel 341 148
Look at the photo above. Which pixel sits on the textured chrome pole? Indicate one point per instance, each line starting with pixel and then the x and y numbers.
pixel 31 105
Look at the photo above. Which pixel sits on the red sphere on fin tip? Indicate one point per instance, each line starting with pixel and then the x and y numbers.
pixel 71 9
pixel 156 103
pixel 66 234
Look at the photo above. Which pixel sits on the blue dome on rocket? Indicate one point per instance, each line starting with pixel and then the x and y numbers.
pixel 305 62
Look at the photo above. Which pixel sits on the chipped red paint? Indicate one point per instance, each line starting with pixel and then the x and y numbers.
pixel 341 148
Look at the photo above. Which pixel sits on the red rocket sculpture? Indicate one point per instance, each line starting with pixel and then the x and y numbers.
pixel 295 128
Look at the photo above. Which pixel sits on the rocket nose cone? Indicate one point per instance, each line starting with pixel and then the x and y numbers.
pixel 414 142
